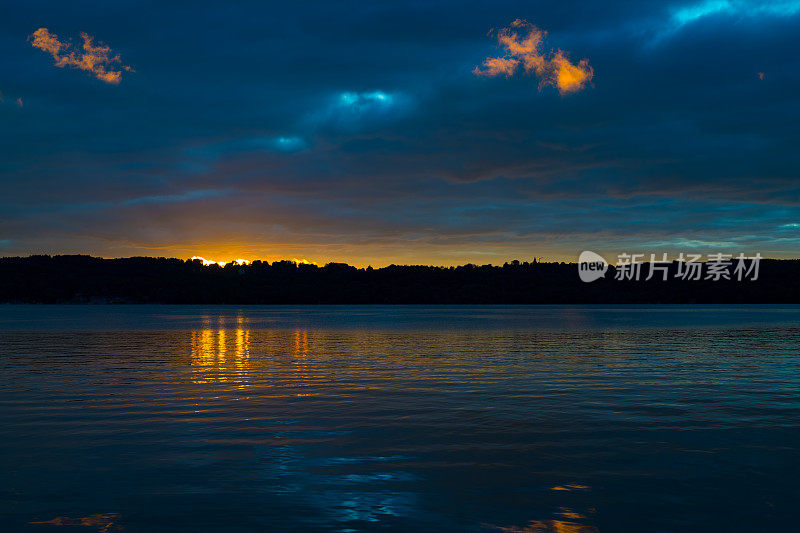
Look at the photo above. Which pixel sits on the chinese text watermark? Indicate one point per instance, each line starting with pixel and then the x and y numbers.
pixel 685 266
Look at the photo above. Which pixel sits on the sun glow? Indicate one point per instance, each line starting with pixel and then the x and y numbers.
pixel 208 262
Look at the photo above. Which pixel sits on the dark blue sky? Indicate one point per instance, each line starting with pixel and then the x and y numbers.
pixel 358 132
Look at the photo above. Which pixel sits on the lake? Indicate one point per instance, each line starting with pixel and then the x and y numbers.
pixel 399 418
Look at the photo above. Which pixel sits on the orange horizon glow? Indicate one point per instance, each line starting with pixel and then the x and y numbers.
pixel 359 263
pixel 241 262
pixel 207 262
pixel 363 258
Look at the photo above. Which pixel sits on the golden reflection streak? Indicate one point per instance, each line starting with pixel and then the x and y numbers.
pixel 550 526
pixel 569 514
pixel 301 358
pixel 222 355
pixel 567 521
pixel 217 357
pixel 570 486
pixel 103 522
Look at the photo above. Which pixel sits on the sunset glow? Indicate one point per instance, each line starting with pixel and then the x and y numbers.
pixel 207 262
pixel 400 266
pixel 516 132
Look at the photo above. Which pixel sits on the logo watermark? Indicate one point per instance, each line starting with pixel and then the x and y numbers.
pixel 685 266
pixel 591 266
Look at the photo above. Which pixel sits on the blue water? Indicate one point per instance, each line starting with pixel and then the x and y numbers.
pixel 515 419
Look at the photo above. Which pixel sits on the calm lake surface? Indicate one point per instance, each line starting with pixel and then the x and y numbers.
pixel 510 419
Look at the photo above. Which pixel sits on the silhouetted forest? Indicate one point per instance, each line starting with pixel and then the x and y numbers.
pixel 85 279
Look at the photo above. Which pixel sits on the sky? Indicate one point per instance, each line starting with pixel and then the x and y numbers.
pixel 400 132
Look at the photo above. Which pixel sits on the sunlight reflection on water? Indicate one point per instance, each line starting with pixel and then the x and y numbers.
pixel 238 424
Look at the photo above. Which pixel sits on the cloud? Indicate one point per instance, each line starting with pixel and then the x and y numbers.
pixel 692 12
pixel 356 106
pixel 94 58
pixel 498 66
pixel 175 198
pixel 287 144
pixel 523 43
pixel 351 110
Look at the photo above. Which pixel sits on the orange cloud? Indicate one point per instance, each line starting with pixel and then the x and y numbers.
pixel 496 66
pixel 94 58
pixel 570 78
pixel 523 42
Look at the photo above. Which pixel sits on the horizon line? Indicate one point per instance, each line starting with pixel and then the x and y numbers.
pixel 298 262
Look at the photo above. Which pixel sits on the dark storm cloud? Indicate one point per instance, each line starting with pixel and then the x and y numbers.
pixel 343 125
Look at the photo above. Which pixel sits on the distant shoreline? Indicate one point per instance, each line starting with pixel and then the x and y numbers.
pixel 80 279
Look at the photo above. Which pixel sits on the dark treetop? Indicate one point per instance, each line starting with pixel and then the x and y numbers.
pixel 85 279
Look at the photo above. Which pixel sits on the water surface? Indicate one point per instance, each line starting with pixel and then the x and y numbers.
pixel 535 419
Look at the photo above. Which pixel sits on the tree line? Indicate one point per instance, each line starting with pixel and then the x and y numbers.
pixel 86 279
